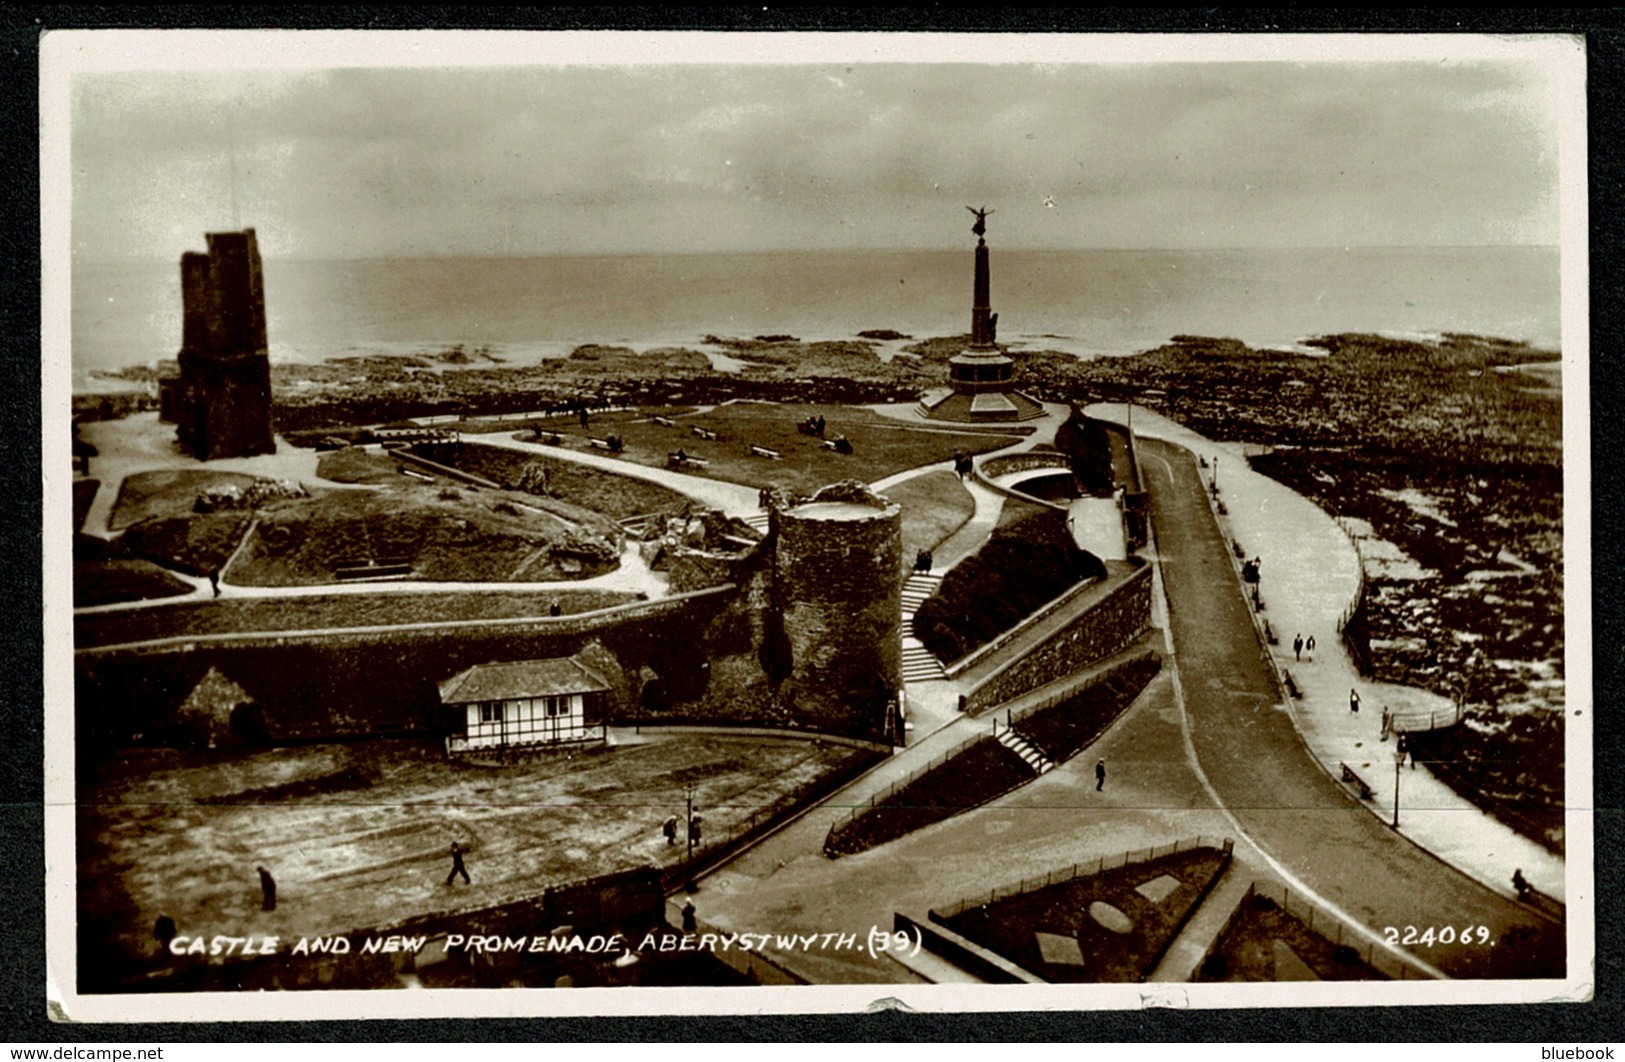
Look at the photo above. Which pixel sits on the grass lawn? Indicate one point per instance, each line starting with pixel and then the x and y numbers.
pixel 446 533
pixel 84 493
pixel 1263 942
pixel 196 543
pixel 612 495
pixel 881 445
pixel 385 608
pixel 935 505
pixel 112 581
pixel 1128 951
pixel 970 779
pixel 168 492
pixel 359 835
pixel 354 464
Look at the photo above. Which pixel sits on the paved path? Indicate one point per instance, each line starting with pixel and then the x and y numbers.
pixel 632 576
pixel 785 884
pixel 1311 574
pixel 1252 757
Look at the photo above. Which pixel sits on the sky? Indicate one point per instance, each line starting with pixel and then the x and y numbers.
pixel 361 150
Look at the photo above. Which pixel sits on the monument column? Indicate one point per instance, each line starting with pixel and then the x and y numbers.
pixel 981 332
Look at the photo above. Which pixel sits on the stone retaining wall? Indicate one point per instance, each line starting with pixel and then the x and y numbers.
pixel 1106 627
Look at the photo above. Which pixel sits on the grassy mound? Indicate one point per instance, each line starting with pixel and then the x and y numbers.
pixel 168 492
pixel 935 505
pixel 966 780
pixel 442 533
pixel 196 545
pixel 117 581
pixel 1011 927
pixel 594 489
pixel 1064 729
pixel 1021 567
pixel 1260 933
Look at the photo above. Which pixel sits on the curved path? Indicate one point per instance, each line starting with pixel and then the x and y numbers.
pixel 1250 751
pixel 1311 574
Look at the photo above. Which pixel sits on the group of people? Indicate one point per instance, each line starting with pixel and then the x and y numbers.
pixel 1301 645
pixel 813 425
pixel 962 464
pixel 923 561
pixel 669 828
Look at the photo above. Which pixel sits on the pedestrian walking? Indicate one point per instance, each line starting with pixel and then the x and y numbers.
pixel 1297 647
pixel 267 890
pixel 669 828
pixel 457 865
pixel 1520 884
pixel 1383 735
pixel 1404 748
pixel 1100 775
pixel 1309 647
pixel 694 822
pixel 1354 700
pixel 690 923
pixel 214 581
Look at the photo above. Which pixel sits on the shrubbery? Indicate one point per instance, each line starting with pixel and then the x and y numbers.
pixel 1021 567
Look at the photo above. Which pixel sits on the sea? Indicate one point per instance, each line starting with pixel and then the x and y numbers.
pixel 1087 302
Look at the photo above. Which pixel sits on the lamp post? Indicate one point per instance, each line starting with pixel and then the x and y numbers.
pixel 689 826
pixel 1399 761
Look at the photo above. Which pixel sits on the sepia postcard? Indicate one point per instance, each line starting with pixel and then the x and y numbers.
pixel 708 523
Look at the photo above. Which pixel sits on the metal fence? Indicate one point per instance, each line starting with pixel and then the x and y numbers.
pixel 714 846
pixel 1080 870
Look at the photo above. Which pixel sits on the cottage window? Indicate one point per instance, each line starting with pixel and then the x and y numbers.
pixel 558 706
pixel 491 713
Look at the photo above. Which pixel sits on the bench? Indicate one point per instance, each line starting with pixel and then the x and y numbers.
pixel 608 445
pixel 762 451
pixel 1356 781
pixel 1291 686
pixel 551 438
pixel 664 422
pixel 675 460
pixel 829 444
pixel 702 433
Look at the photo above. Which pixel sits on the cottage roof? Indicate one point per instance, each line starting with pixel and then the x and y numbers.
pixel 520 679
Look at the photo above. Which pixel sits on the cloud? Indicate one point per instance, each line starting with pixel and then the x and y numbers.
pixel 611 159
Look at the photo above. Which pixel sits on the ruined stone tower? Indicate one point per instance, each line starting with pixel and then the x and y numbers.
pixel 837 595
pixel 220 403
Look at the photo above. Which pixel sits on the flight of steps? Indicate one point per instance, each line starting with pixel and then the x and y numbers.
pixel 1013 741
pixel 918 663
pixel 758 521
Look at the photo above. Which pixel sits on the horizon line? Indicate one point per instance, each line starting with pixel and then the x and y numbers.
pixel 657 253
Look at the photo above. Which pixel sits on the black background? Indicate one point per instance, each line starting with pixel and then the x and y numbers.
pixel 23 1012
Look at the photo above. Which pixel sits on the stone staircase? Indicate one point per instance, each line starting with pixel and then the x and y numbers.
pixel 918 663
pixel 758 520
pixel 1013 741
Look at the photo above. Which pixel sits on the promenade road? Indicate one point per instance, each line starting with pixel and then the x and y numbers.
pixel 1248 749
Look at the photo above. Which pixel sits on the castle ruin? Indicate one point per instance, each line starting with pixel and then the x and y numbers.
pixel 220 403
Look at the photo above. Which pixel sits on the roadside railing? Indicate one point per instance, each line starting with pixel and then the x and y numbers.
pixel 1080 870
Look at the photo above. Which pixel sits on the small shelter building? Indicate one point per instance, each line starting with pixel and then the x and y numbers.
pixel 557 701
